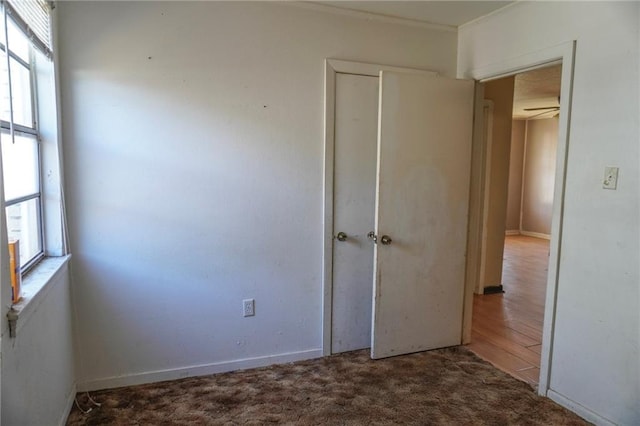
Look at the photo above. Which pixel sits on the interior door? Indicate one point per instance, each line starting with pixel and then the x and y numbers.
pixel 424 157
pixel 356 123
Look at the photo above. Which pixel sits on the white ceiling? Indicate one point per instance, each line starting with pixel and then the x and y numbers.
pixel 537 89
pixel 451 13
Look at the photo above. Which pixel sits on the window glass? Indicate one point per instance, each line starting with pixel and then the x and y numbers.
pixel 21 93
pixel 20 165
pixel 4 88
pixel 20 151
pixel 18 42
pixel 23 225
pixel 1 26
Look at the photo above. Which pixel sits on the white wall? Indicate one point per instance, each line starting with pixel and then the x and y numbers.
pixel 38 380
pixel 595 359
pixel 193 159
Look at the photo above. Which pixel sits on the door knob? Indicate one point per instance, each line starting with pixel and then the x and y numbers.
pixel 385 240
pixel 341 236
pixel 372 236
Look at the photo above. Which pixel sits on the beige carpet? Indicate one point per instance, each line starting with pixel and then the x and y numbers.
pixel 444 387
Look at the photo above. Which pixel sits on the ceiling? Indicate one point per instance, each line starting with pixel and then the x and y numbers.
pixel 451 13
pixel 537 89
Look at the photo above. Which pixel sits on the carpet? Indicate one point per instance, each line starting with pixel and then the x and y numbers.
pixel 442 387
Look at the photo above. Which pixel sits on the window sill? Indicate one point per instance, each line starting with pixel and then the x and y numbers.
pixel 36 284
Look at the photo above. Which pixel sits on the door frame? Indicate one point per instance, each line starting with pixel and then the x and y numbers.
pixel 561 54
pixel 331 68
pixel 487 149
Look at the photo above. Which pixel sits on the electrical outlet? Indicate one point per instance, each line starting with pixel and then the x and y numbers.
pixel 610 178
pixel 248 307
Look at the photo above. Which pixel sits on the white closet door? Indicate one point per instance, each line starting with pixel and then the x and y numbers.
pixel 424 151
pixel 356 124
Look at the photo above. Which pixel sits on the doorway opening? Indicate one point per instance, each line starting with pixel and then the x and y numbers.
pixel 521 146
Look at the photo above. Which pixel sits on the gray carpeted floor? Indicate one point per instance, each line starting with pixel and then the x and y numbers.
pixel 443 387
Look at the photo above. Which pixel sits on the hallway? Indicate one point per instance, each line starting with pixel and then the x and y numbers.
pixel 507 328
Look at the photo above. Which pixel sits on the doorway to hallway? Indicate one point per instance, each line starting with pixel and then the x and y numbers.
pixel 520 165
pixel 507 327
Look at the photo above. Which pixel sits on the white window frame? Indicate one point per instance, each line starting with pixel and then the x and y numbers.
pixel 12 128
pixel 37 283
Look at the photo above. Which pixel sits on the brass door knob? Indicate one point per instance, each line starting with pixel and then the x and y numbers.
pixel 341 236
pixel 385 240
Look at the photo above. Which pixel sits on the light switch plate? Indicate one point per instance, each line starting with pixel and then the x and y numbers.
pixel 248 307
pixel 610 178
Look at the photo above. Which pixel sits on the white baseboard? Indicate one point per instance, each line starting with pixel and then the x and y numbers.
pixel 512 232
pixel 69 405
pixel 195 370
pixel 536 235
pixel 580 410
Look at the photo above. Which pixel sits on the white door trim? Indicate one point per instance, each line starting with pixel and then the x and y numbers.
pixel 486 183
pixel 332 67
pixel 565 54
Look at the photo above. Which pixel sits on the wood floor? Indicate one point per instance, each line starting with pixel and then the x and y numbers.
pixel 507 328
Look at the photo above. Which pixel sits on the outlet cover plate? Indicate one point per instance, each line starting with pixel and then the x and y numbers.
pixel 610 178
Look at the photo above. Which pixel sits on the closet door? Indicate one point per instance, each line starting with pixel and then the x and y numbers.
pixel 422 192
pixel 356 125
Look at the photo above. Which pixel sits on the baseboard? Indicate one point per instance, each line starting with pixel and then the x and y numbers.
pixel 195 370
pixel 580 410
pixel 493 289
pixel 69 405
pixel 512 232
pixel 536 235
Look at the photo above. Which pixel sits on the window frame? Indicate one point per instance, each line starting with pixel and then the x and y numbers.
pixel 13 128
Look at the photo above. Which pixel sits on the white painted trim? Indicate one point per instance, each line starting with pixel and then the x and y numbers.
pixel 474 227
pixel 68 406
pixel 196 370
pixel 512 232
pixel 327 242
pixel 580 410
pixel 563 53
pixel 370 16
pixel 535 235
pixel 555 246
pixel 373 70
pixel 486 193
pixel 331 68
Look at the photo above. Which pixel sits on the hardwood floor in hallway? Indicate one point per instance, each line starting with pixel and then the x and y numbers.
pixel 507 328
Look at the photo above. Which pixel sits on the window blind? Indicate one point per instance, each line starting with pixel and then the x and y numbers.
pixel 33 17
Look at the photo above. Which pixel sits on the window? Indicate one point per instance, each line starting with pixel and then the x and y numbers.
pixel 20 134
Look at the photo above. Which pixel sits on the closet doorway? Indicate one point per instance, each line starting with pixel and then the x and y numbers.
pixel 397 180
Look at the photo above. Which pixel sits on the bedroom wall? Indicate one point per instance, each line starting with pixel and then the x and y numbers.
pixel 194 163
pixel 516 155
pixel 595 368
